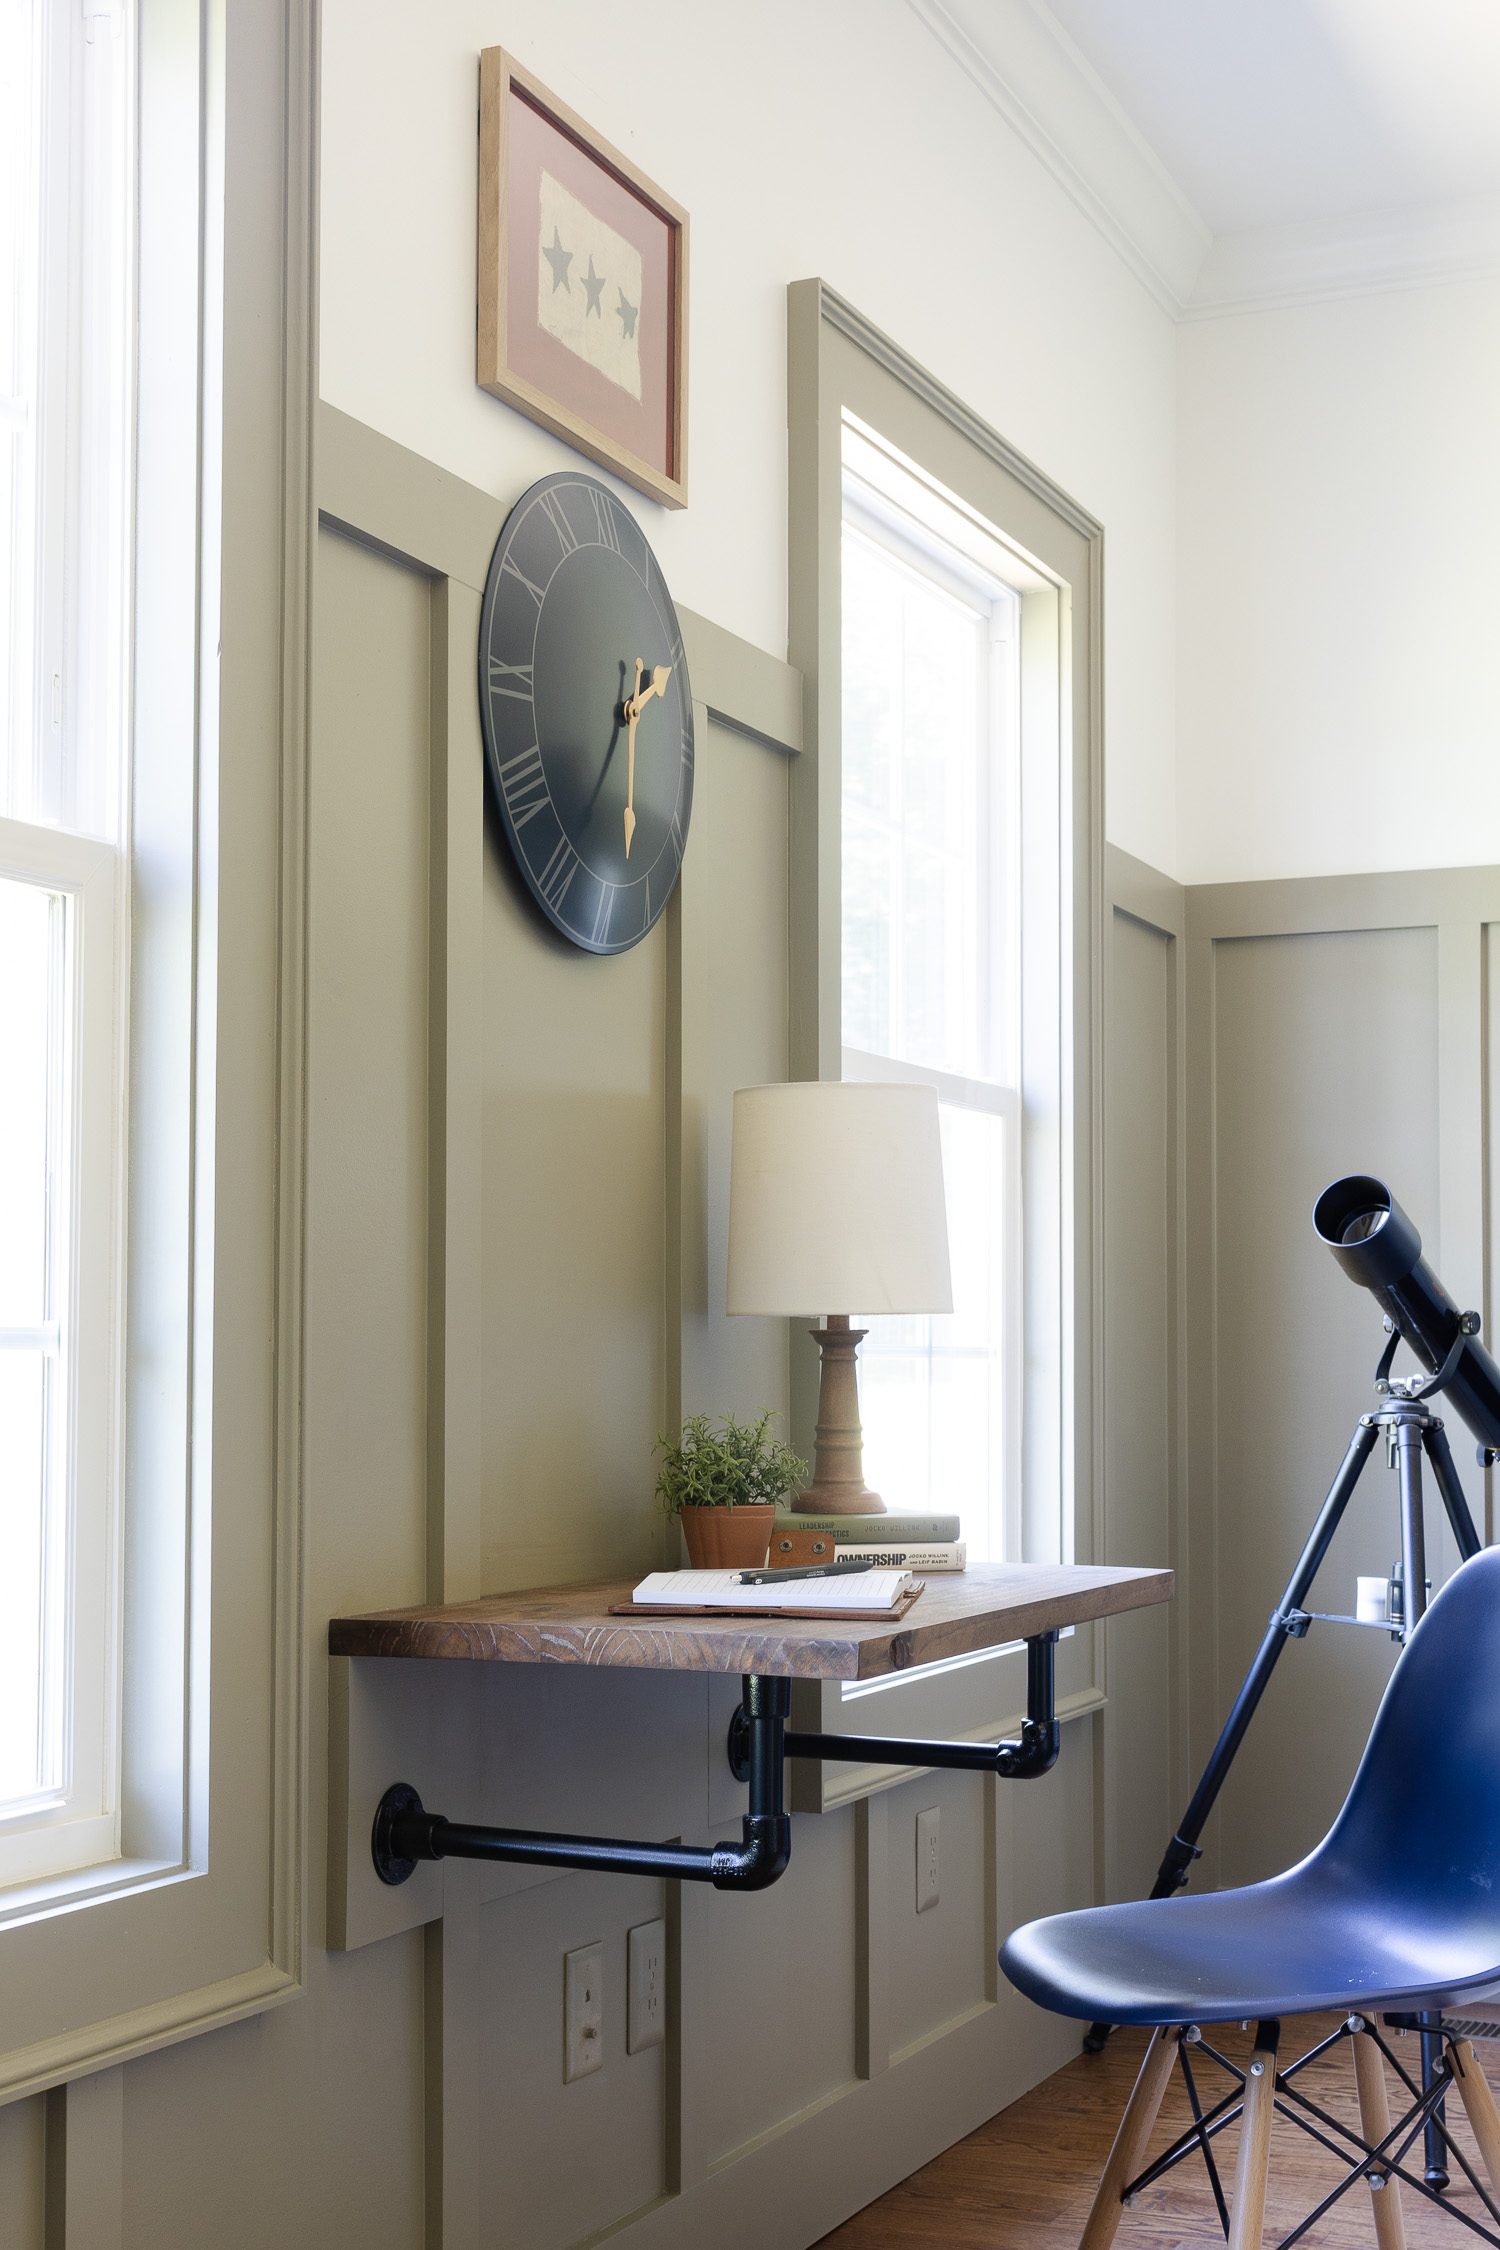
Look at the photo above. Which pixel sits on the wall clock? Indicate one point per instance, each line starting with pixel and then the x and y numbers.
pixel 587 712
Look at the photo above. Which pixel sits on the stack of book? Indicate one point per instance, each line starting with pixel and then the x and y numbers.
pixel 890 1542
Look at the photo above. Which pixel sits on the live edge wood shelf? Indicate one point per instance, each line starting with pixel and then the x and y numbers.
pixel 959 1613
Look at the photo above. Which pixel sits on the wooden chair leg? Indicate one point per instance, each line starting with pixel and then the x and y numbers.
pixel 1127 2157
pixel 1375 2123
pixel 1479 2106
pixel 1248 2210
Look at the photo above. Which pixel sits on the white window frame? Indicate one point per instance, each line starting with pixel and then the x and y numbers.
pixel 1030 1029
pixel 75 1822
pixel 910 519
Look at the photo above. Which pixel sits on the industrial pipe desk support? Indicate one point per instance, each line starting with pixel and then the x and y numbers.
pixel 1034 1754
pixel 404 1832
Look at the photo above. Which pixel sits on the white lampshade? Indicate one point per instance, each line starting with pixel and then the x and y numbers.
pixel 836 1201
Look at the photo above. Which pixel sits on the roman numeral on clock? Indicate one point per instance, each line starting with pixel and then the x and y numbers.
pixel 604 517
pixel 509 568
pixel 510 679
pixel 603 911
pixel 551 507
pixel 523 785
pixel 556 878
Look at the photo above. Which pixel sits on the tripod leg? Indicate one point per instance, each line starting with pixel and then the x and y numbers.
pixel 1435 1443
pixel 1435 2169
pixel 1414 1573
pixel 1413 1540
pixel 1179 1855
pixel 1183 1849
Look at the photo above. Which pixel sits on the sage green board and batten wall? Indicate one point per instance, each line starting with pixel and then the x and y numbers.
pixel 1263 1038
pixel 1335 1024
pixel 600 1080
pixel 792 2138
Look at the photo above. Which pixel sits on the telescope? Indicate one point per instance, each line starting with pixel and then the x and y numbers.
pixel 1379 1248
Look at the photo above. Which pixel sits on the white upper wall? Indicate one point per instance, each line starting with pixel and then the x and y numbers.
pixel 1339 691
pixel 835 139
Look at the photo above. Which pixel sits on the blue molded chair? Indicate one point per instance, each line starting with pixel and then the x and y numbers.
pixel 1397 1910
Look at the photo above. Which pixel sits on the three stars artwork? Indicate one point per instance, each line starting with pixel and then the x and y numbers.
pixel 560 259
pixel 582 284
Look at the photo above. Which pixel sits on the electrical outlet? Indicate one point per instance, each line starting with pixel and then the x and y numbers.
pixel 646 1979
pixel 583 2011
pixel 927 1858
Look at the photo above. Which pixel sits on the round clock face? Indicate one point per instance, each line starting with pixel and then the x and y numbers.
pixel 587 711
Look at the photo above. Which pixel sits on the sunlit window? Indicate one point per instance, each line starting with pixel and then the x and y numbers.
pixel 928 966
pixel 34 1206
pixel 65 241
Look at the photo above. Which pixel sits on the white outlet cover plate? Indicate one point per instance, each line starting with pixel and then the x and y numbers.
pixel 928 1824
pixel 583 2011
pixel 646 1977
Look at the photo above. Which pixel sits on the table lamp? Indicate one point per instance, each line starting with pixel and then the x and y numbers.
pixel 836 1198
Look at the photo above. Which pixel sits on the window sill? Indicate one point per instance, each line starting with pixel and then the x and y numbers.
pixel 64 1892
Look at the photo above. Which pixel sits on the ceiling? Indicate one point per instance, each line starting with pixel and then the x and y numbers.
pixel 1248 153
pixel 1270 112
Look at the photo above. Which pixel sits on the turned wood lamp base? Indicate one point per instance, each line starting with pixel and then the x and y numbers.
pixel 838 1487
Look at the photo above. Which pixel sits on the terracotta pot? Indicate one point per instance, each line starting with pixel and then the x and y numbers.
pixel 728 1538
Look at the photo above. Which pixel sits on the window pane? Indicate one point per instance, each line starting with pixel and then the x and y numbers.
pixel 32 1023
pixel 914 826
pixel 25 979
pixel 19 286
pixel 932 1388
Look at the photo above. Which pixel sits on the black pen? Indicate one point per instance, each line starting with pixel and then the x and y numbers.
pixel 801 1570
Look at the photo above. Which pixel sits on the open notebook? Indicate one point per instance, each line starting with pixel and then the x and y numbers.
pixel 852 1593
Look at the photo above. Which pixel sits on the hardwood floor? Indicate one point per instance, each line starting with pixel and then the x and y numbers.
pixel 1025 2180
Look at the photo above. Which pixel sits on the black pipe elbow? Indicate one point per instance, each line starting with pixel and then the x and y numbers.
pixel 760 1860
pixel 1035 1754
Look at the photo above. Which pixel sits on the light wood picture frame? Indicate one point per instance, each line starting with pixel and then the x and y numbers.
pixel 583 284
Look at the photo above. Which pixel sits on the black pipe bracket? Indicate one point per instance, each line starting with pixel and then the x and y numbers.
pixel 1024 1759
pixel 405 1833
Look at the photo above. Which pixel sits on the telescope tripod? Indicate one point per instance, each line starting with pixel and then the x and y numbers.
pixel 1410 1431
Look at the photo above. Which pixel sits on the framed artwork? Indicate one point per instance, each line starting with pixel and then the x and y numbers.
pixel 583 284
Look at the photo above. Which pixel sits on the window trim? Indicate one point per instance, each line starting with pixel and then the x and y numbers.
pixel 202 1923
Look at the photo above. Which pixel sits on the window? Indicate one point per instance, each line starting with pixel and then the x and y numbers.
pixel 65 77
pixel 932 908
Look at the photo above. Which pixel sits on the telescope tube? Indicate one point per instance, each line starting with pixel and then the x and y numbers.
pixel 1376 1244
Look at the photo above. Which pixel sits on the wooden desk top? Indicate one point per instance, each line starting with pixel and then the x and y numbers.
pixel 959 1612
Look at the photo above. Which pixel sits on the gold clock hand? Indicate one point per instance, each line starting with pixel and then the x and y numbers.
pixel 632 713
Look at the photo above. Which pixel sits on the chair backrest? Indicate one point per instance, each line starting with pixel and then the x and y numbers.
pixel 1422 1819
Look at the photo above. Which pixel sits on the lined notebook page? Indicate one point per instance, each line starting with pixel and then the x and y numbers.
pixel 698 1589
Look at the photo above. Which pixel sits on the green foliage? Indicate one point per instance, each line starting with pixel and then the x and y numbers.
pixel 734 1466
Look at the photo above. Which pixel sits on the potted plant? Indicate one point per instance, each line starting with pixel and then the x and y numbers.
pixel 724 1484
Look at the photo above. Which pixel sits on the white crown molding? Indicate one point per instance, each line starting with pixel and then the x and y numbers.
pixel 1027 68
pixel 1319 260
pixel 1031 73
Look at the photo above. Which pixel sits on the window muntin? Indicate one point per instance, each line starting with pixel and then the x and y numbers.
pixel 930 946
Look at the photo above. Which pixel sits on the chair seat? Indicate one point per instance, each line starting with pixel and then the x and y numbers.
pixel 1282 1948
